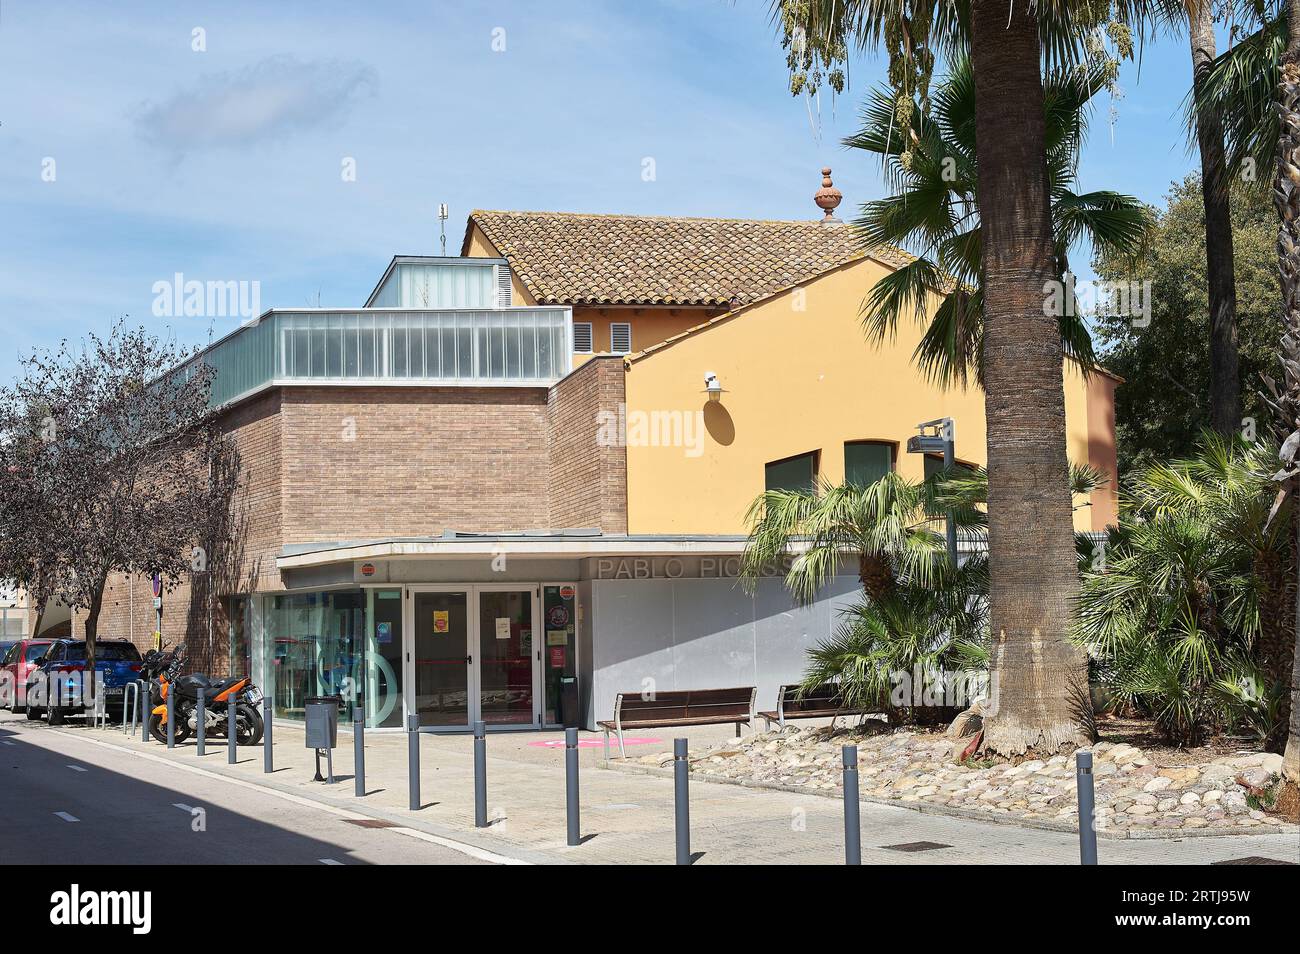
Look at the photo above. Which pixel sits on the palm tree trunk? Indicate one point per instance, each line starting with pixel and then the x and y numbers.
pixel 1291 756
pixel 1039 698
pixel 1225 377
pixel 1286 197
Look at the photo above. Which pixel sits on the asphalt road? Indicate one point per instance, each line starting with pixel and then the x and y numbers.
pixel 68 801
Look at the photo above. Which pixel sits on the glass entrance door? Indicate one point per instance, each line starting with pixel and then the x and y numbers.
pixel 507 654
pixel 440 661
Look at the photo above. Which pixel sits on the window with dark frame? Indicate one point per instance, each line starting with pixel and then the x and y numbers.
pixel 865 462
pixel 798 473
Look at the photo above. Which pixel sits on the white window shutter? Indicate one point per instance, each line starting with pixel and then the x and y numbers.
pixel 503 286
pixel 620 337
pixel 582 337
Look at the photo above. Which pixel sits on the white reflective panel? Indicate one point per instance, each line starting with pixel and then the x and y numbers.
pixel 471 346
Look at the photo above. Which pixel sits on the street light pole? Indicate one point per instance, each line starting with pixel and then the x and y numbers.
pixel 939 437
pixel 950 458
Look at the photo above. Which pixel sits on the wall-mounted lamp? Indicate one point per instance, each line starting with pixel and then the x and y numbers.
pixel 713 387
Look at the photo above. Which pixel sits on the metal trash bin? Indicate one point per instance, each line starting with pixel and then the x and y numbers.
pixel 569 702
pixel 322 715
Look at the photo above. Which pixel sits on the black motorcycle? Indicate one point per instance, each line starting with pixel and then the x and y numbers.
pixel 163 671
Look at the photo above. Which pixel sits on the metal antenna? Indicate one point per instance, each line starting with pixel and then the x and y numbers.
pixel 442 226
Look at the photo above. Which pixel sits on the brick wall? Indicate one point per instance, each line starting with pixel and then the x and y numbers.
pixel 334 464
pixel 588 477
pixel 361 463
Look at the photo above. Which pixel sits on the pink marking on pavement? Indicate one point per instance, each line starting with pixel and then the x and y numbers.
pixel 591 743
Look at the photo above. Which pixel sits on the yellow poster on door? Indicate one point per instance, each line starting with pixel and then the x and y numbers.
pixel 441 621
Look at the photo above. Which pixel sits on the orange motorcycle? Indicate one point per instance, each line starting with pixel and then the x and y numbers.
pixel 165 672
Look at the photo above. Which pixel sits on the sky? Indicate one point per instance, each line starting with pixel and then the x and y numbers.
pixel 142 139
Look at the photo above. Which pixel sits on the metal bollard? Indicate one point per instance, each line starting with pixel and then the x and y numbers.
pixel 200 718
pixel 480 775
pixel 131 691
pixel 146 710
pixel 682 800
pixel 571 786
pixel 413 761
pixel 171 716
pixel 852 822
pixel 231 726
pixel 268 753
pixel 359 750
pixel 1087 808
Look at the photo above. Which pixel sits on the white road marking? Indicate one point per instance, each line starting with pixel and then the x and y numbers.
pixel 76 768
pixel 183 807
pixel 7 742
pixel 482 854
pixel 66 817
pixel 330 861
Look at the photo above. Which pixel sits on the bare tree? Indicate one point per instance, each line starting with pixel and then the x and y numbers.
pixel 127 472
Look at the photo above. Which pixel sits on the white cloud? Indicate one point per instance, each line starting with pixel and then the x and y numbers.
pixel 269 100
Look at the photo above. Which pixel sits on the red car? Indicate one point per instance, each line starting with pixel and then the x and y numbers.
pixel 17 663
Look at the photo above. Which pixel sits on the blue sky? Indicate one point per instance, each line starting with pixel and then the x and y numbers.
pixel 226 164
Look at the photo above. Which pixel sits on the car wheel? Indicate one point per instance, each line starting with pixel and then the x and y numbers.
pixel 33 714
pixel 54 715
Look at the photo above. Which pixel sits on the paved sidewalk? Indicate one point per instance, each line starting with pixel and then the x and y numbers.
pixel 627 818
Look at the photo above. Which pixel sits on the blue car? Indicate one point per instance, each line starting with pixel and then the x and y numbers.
pixel 61 673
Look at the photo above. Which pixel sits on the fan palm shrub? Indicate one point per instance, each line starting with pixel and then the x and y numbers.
pixel 883 644
pixel 888 527
pixel 917 612
pixel 1189 585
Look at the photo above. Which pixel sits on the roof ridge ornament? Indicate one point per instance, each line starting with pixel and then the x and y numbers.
pixel 828 197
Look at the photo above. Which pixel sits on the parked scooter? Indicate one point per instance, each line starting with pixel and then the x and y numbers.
pixel 164 668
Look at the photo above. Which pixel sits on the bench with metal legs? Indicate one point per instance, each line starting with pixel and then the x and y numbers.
pixel 681 707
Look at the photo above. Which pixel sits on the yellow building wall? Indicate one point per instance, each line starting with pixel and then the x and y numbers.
pixel 650 326
pixel 799 376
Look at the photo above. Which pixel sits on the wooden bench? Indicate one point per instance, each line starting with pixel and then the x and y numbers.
pixel 819 703
pixel 660 710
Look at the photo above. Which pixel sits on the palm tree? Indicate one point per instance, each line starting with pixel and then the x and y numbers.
pixel 1241 89
pixel 934 212
pixel 1225 378
pixel 1286 196
pixel 1255 88
pixel 1039 676
pixel 888 526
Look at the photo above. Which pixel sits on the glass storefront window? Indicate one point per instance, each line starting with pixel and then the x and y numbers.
pixel 314 643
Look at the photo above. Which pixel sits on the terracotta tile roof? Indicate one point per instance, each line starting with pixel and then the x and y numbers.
pixel 569 258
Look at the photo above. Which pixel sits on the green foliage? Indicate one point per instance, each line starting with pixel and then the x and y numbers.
pixel 1251 705
pixel 888 523
pixel 1163 403
pixel 1241 89
pixel 1174 608
pixel 930 165
pixel 937 628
